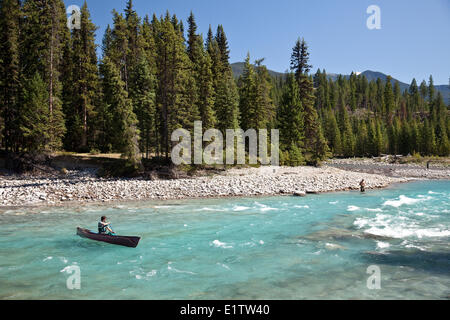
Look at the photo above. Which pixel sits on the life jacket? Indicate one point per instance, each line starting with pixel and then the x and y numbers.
pixel 101 228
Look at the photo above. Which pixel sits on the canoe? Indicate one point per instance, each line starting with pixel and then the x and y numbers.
pixel 131 242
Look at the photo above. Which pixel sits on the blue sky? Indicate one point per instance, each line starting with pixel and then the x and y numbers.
pixel 413 41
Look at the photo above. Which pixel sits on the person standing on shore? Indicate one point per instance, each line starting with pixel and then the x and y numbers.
pixel 362 184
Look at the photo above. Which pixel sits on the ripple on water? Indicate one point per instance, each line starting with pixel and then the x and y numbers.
pixel 282 247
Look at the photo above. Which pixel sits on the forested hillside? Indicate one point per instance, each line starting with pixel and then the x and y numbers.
pixel 157 74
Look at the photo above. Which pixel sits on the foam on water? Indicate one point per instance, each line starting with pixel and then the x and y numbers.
pixel 375 210
pixel 170 268
pixel 223 245
pixel 213 209
pixel 240 208
pixel 302 207
pixel 404 200
pixel 383 245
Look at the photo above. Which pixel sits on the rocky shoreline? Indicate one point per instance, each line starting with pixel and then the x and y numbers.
pixel 385 166
pixel 79 187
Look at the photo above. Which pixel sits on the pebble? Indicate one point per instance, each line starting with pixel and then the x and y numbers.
pixel 85 187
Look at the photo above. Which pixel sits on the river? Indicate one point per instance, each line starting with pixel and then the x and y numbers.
pixel 317 247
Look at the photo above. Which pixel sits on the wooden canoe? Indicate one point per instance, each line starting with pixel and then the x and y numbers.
pixel 131 242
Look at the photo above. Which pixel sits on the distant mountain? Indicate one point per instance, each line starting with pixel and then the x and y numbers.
pixel 238 69
pixel 445 91
pixel 374 76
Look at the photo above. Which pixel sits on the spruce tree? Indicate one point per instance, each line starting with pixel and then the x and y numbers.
pixel 389 99
pixel 222 43
pixel 227 103
pixel 205 84
pixel 119 46
pixel 300 60
pixel 34 117
pixel 362 140
pixel 202 66
pixel 265 109
pixel 143 95
pixel 177 91
pixel 247 94
pixel 9 72
pixel 192 41
pixel 431 90
pixel 333 134
pixel 133 23
pixel 83 85
pixel 315 142
pixel 290 121
pixel 348 139
pixel 121 126
pixel 45 34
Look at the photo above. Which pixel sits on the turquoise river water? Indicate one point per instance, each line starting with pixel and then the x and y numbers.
pixel 318 247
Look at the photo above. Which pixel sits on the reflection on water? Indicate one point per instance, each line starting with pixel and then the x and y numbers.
pixel 318 247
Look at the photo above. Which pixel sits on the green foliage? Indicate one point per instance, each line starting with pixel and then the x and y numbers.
pixel 151 80
pixel 290 116
pixel 121 124
pixel 143 96
pixel 34 120
pixel 227 103
pixel 9 72
pixel 315 142
pixel 81 85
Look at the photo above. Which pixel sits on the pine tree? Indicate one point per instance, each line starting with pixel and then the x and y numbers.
pixel 202 66
pixel 415 138
pixel 205 85
pixel 315 142
pixel 290 119
pixel 423 89
pixel 9 72
pixel 404 138
pixel 142 95
pixel 107 42
pixel 222 43
pixel 300 59
pixel 247 94
pixel 209 39
pixel 431 90
pixel 389 99
pixel 119 46
pixel 217 67
pixel 265 109
pixel 348 139
pixel 227 103
pixel 415 95
pixel 256 105
pixel 83 85
pixel 177 92
pixel 121 126
pixel 45 34
pixel 147 44
pixel 133 23
pixel 333 134
pixel 34 116
pixel 362 139
pixel 192 38
pixel 442 131
pixel 380 138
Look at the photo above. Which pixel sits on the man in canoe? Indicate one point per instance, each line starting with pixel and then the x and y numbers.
pixel 104 227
